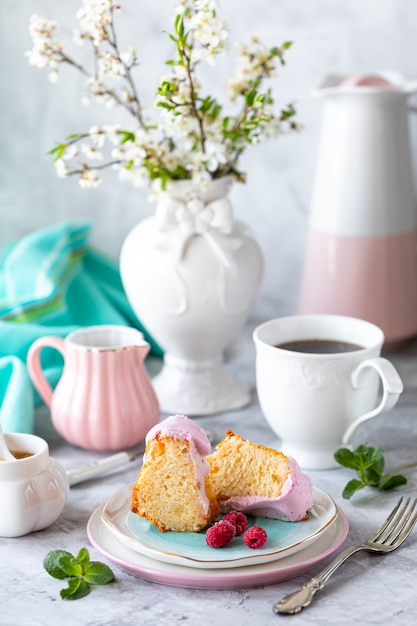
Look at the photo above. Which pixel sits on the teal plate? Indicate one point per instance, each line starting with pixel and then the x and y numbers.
pixel 190 549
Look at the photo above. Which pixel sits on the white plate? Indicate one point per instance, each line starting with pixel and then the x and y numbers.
pixel 288 567
pixel 191 549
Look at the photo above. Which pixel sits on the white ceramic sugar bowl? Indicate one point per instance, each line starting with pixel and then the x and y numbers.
pixel 33 489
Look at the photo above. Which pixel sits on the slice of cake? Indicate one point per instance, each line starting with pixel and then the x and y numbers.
pixel 173 490
pixel 252 478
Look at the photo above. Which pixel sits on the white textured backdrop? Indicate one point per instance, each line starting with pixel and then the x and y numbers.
pixel 347 36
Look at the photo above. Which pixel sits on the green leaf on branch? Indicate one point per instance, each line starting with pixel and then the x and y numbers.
pixel 369 464
pixel 71 566
pixel 58 151
pixel 351 488
pixel 127 135
pixel 80 572
pixel 53 565
pixel 390 482
pixel 98 574
pixel 76 589
pixel 179 25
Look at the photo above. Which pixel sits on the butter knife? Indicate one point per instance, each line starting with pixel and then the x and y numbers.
pixel 96 468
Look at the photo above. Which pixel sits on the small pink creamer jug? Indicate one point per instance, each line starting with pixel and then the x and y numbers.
pixel 104 399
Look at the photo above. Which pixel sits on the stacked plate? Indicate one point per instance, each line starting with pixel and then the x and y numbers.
pixel 185 560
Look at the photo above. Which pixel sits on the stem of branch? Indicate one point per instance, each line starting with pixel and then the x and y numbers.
pixel 193 103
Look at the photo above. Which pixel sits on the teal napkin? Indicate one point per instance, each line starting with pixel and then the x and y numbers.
pixel 51 283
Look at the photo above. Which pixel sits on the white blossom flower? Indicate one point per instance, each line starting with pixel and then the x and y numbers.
pixel 127 96
pixel 215 155
pixel 138 176
pixel 129 57
pixel 112 133
pixel 91 152
pixel 47 50
pixel 94 18
pixel 178 126
pixel 109 63
pixel 110 102
pixel 89 179
pixel 254 61
pixel 208 30
pixel 97 136
pixel 61 168
pixel 70 152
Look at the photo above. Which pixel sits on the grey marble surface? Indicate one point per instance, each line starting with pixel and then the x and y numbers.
pixel 369 589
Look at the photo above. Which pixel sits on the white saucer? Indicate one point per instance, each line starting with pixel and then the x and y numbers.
pixel 191 549
pixel 230 578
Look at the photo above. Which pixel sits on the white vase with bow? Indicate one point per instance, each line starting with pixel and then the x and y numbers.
pixel 192 273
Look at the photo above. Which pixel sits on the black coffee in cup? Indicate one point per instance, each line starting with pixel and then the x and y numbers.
pixel 319 346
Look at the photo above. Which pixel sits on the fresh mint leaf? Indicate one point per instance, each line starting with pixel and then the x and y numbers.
pixel 377 460
pixel 80 571
pixel 70 565
pixel 83 558
pixel 76 589
pixel 369 464
pixel 98 574
pixel 52 563
pixel 389 482
pixel 352 487
pixel 371 476
pixel 347 458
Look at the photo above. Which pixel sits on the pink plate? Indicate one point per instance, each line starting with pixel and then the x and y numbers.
pixel 250 576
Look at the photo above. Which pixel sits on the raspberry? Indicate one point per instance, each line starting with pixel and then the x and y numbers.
pixel 237 519
pixel 220 534
pixel 255 537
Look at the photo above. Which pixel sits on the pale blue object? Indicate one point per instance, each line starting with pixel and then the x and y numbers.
pixel 190 549
pixel 16 396
pixel 51 282
pixel 282 538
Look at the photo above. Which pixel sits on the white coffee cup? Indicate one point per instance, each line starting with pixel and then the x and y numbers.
pixel 315 402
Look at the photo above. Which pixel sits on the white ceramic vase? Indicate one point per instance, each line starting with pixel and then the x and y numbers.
pixel 191 274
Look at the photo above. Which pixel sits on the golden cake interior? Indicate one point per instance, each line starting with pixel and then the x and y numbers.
pixel 167 491
pixel 241 468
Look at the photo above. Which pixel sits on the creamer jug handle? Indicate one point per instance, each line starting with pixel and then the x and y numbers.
pixel 35 368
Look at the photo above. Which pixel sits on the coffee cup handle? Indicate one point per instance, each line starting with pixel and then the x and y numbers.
pixel 34 364
pixel 392 387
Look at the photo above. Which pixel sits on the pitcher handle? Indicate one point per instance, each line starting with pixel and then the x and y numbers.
pixel 34 364
pixel 392 387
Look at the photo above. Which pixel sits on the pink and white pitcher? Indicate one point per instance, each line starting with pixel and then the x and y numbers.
pixel 361 256
pixel 104 399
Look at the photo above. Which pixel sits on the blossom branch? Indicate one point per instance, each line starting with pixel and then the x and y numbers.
pixel 128 75
pixel 193 102
pixel 193 139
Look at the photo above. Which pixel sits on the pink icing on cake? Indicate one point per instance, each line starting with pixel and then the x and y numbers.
pixel 292 505
pixel 181 427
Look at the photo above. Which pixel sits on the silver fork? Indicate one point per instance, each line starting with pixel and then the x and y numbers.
pixel 389 537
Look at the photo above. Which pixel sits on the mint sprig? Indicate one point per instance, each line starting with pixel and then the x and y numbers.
pixel 80 572
pixel 369 464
